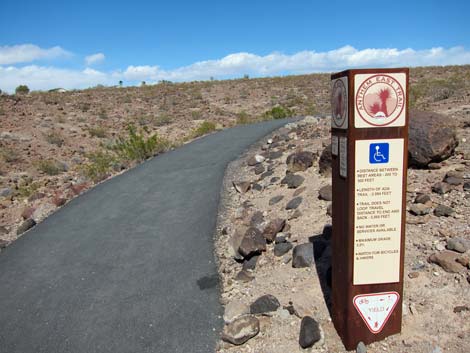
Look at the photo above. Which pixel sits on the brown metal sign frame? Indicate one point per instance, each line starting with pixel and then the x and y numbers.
pixel 348 322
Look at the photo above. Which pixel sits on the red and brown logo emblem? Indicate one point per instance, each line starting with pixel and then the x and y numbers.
pixel 380 100
pixel 339 103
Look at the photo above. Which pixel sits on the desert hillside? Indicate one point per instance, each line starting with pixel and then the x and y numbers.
pixel 55 145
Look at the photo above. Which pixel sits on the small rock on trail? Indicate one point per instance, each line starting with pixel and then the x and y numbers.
pixel 302 255
pixel 264 304
pixel 241 330
pixel 309 332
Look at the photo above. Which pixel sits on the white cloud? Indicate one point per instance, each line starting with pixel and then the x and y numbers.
pixel 24 53
pixel 94 58
pixel 41 77
pixel 234 65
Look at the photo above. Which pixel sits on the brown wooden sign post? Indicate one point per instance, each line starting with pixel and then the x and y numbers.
pixel 369 139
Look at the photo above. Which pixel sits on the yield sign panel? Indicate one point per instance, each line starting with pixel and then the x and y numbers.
pixel 376 308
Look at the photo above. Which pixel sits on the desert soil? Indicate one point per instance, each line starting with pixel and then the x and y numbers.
pixel 66 127
pixel 436 302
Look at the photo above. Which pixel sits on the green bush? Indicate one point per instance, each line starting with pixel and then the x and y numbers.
pixel 97 132
pixel 9 155
pixel 203 129
pixel 243 118
pixel 50 167
pixel 162 120
pixel 25 189
pixel 22 89
pixel 137 147
pixel 99 165
pixel 54 138
pixel 103 114
pixel 278 112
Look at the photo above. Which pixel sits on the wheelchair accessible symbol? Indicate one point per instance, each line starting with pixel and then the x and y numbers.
pixel 378 153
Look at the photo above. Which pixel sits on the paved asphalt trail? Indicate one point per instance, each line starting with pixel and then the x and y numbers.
pixel 128 266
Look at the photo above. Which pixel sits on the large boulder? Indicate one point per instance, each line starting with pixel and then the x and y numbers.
pixel 432 138
pixel 299 161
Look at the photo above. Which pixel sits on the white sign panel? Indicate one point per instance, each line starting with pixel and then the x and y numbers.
pixel 379 100
pixel 376 308
pixel 378 211
pixel 343 157
pixel 339 103
pixel 334 145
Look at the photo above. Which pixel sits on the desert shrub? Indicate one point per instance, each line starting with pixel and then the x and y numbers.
pixel 278 112
pixel 50 167
pixel 9 155
pixel 26 189
pixel 244 94
pixel 103 114
pixel 434 90
pixel 22 89
pixel 137 147
pixel 84 107
pixel 162 120
pixel 204 128
pixel 196 114
pixel 97 132
pixel 54 138
pixel 243 118
pixel 98 166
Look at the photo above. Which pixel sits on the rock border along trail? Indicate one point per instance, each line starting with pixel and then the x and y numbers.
pixel 129 265
pixel 274 253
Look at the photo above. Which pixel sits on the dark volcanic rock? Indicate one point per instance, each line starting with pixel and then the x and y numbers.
pixel 275 155
pixel 444 211
pixel 274 200
pixel 325 193
pixel 441 188
pixel 252 243
pixel 302 255
pixel 431 138
pixel 309 332
pixel 324 163
pixel 266 174
pixel 422 198
pixel 241 330
pixel 294 203
pixel 257 219
pixel 299 161
pixel 458 244
pixel 250 264
pixel 265 304
pixel 466 186
pixel 272 228
pixel 293 181
pixel 259 169
pixel 282 248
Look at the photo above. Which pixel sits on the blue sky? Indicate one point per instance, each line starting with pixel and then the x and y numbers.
pixel 46 44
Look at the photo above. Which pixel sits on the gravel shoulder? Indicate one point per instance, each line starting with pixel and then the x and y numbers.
pixel 436 303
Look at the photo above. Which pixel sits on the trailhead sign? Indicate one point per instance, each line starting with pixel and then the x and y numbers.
pixel 369 139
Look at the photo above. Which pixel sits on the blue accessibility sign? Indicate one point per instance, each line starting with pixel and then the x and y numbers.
pixel 378 153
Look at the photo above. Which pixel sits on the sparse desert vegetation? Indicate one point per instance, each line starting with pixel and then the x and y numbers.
pixel 54 145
